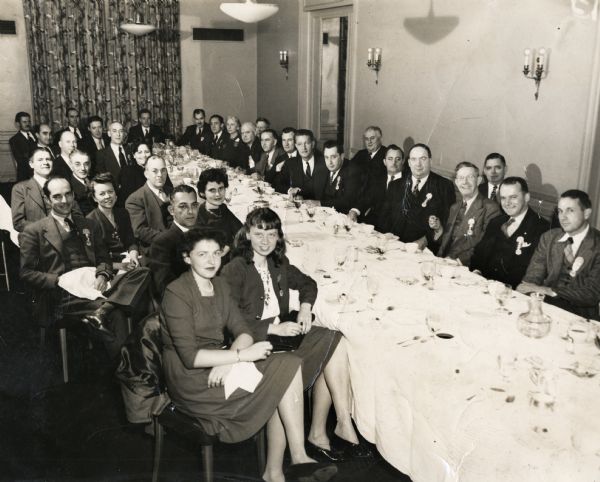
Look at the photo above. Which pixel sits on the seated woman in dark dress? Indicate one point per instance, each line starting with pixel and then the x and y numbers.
pixel 132 175
pixel 212 185
pixel 114 222
pixel 196 309
pixel 233 126
pixel 260 276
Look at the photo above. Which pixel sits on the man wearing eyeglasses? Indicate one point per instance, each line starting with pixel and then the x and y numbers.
pixel 468 217
pixel 415 199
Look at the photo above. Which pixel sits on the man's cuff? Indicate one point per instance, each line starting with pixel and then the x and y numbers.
pixel 357 211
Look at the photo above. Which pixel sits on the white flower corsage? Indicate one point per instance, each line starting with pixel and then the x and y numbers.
pixel 521 243
pixel 428 197
pixel 86 234
pixel 337 184
pixel 471 223
pixel 578 263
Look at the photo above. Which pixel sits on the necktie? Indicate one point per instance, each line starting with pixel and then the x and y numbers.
pixel 505 226
pixel 493 194
pixel 415 189
pixel 569 255
pixel 49 151
pixel 308 171
pixel 390 179
pixel 71 225
pixel 331 178
pixel 30 137
pixel 461 213
pixel 122 158
pixel 145 131
pixel 162 195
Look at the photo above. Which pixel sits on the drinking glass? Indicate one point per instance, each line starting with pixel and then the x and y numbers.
pixel 311 210
pixel 501 293
pixel 381 247
pixel 433 322
pixel 298 199
pixel 340 259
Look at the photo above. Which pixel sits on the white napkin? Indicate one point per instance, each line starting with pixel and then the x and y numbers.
pixel 80 282
pixel 242 375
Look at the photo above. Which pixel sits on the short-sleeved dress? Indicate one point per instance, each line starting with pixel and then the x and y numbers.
pixel 191 322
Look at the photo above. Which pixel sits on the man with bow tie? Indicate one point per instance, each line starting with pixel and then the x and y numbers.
pixel 494 168
pixel 566 263
pixel 345 180
pixel 62 242
pixel 467 220
pixel 510 240
pixel 420 195
pixel 197 135
pixel 21 145
pixel 144 131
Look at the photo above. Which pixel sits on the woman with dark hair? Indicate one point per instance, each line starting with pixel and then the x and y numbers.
pixel 212 185
pixel 196 309
pixel 260 276
pixel 132 175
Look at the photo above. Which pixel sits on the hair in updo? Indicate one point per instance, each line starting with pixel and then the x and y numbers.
pixel 261 218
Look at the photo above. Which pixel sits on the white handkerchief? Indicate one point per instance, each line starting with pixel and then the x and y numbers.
pixel 242 375
pixel 80 282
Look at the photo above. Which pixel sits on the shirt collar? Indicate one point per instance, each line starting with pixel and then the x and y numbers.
pixel 39 179
pixel 293 154
pixel 519 219
pixel 373 154
pixel 79 180
pixel 61 220
pixel 422 181
pixel 153 189
pixel 183 228
pixel 311 161
pixel 470 202
pixel 398 175
pixel 577 238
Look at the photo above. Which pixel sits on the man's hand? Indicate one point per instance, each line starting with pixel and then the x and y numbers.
pixel 217 375
pixel 134 259
pixel 436 225
pixel 527 288
pixel 287 328
pixel 292 191
pixel 100 283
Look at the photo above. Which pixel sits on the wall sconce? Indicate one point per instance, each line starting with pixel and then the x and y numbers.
pixel 538 71
pixel 374 61
pixel 284 61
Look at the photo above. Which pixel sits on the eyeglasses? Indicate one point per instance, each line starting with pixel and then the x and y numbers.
pixel 470 177
pixel 414 159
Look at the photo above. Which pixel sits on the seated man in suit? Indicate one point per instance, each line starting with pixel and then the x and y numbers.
pixel 566 263
pixel 43 135
pixel 376 188
pixel 28 203
pixel 165 260
pixel 67 143
pixel 62 242
pixel 494 168
pixel 197 135
pixel 371 157
pixel 250 149
pixel 288 145
pixel 269 166
pixel 413 201
pixel 307 173
pixel 345 180
pixel 144 131
pixel 262 124
pixel 510 239
pixel 148 205
pixel 113 157
pixel 72 126
pixel 221 146
pixel 467 220
pixel 80 165
pixel 95 139
pixel 21 145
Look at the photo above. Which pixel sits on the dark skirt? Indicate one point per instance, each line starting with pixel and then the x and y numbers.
pixel 315 351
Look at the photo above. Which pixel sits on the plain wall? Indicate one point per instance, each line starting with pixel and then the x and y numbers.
pixel 464 93
pixel 278 97
pixel 218 76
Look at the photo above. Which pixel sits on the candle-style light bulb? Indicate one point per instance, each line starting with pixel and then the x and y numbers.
pixel 377 55
pixel 541 58
pixel 527 61
pixel 369 55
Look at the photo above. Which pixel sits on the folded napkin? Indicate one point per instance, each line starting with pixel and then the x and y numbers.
pixel 242 375
pixel 80 282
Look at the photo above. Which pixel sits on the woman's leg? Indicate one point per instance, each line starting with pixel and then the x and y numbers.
pixel 275 449
pixel 321 404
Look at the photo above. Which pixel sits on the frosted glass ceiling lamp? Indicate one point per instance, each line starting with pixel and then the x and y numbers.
pixel 249 11
pixel 138 28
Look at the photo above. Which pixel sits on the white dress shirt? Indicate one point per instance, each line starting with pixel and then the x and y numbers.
pixel 516 223
pixel 577 239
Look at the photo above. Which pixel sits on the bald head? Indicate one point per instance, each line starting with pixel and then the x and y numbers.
pixel 67 143
pixel 248 132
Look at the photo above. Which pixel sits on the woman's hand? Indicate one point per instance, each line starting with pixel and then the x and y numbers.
pixel 288 328
pixel 217 375
pixel 258 351
pixel 305 317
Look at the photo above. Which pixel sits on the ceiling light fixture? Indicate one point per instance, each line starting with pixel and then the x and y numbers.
pixel 138 28
pixel 249 11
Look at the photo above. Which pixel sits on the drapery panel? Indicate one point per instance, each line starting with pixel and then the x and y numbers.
pixel 80 58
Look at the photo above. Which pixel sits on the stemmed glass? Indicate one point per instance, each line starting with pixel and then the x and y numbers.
pixel 372 288
pixel 340 259
pixel 298 199
pixel 428 272
pixel 260 189
pixel 501 293
pixel 311 211
pixel 433 321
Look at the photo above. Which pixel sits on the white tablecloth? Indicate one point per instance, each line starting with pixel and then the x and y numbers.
pixel 447 409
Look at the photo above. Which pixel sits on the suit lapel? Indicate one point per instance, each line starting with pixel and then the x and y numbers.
pixel 52 234
pixel 586 249
pixel 35 193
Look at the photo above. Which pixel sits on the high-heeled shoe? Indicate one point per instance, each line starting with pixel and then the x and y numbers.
pixel 321 454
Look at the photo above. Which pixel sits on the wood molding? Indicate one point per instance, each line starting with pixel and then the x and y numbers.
pixel 310 5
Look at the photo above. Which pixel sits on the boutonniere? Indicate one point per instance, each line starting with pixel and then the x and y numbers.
pixel 428 197
pixel 471 223
pixel 201 138
pixel 521 243
pixel 86 234
pixel 279 285
pixel 337 183
pixel 578 263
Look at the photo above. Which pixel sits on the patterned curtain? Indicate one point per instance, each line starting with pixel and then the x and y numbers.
pixel 80 58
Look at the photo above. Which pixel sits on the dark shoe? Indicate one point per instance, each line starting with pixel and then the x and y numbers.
pixel 311 472
pixel 96 322
pixel 350 450
pixel 323 455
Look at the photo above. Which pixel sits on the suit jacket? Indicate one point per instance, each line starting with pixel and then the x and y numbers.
pixel 407 215
pixel 284 179
pixel 200 141
pixel 373 195
pixel 166 261
pixel 371 166
pixel 42 256
pixel 225 149
pixel 480 213
pixel 499 258
pixel 61 167
pixel 148 216
pixel 262 165
pixel 483 189
pixel 583 290
pixel 82 195
pixel 320 176
pixel 27 204
pixel 123 230
pixel 245 152
pixel 136 134
pixel 106 161
pixel 345 189
pixel 88 144
pixel 21 148
pixel 248 292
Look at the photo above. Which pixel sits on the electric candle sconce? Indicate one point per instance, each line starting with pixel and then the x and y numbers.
pixel 534 67
pixel 374 61
pixel 284 61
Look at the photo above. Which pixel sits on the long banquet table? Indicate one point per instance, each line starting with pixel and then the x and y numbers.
pixel 488 404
